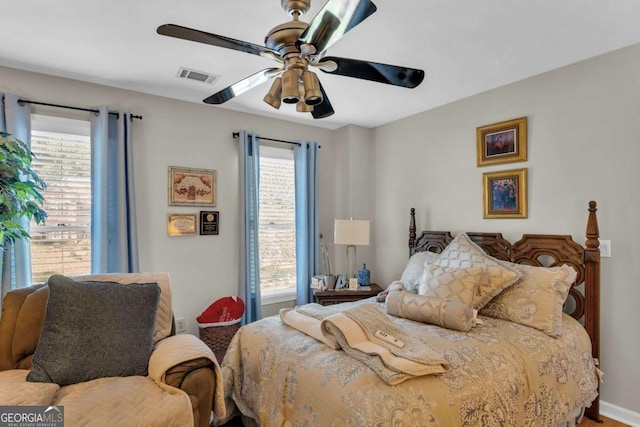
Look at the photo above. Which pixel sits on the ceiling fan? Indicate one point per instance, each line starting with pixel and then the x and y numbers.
pixel 297 46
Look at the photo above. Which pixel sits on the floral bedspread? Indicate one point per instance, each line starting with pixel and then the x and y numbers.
pixel 500 374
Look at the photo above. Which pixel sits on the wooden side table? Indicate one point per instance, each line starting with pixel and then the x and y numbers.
pixel 330 297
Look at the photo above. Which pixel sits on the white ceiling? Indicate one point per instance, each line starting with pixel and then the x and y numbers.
pixel 464 46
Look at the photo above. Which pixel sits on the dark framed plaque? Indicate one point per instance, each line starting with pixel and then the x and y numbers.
pixel 209 223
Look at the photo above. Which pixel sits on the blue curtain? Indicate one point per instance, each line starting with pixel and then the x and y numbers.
pixel 114 236
pixel 15 263
pixel 249 274
pixel 307 219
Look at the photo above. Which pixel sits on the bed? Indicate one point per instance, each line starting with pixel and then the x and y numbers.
pixel 501 372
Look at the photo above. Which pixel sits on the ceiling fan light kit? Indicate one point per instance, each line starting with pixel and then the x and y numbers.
pixel 302 107
pixel 290 85
pixel 274 96
pixel 297 46
pixel 312 94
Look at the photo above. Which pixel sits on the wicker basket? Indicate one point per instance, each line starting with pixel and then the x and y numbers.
pixel 217 338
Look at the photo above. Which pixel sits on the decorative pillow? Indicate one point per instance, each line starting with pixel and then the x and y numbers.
pixel 463 253
pixel 95 329
pixel 536 299
pixel 450 283
pixel 414 269
pixel 447 314
pixel 164 317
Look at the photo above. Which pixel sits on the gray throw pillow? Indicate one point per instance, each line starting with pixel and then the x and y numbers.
pixel 95 329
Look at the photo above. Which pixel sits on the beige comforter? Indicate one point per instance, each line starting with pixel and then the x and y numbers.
pixel 500 374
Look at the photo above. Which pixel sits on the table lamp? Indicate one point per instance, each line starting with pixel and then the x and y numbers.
pixel 351 232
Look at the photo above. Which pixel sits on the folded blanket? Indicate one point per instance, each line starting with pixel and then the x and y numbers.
pixel 365 333
pixel 306 323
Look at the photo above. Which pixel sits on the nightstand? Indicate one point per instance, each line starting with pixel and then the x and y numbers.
pixel 345 295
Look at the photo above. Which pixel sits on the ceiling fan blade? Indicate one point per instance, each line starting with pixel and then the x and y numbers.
pixel 190 34
pixel 333 21
pixel 240 87
pixel 324 109
pixel 375 71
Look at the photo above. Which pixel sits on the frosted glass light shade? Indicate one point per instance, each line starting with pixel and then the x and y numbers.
pixel 351 232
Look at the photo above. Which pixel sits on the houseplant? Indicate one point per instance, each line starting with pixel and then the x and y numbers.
pixel 20 189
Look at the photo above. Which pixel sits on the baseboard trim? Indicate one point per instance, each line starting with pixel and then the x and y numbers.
pixel 618 413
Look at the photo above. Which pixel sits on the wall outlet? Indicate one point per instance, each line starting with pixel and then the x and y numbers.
pixel 605 248
pixel 180 328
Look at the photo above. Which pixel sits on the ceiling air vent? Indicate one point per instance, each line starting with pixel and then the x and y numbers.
pixel 199 76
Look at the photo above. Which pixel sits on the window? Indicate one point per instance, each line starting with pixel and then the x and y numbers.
pixel 62 151
pixel 277 234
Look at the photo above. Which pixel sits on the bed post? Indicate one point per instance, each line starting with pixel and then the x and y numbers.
pixel 592 296
pixel 412 231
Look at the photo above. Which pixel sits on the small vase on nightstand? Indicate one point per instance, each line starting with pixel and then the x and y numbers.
pixel 364 276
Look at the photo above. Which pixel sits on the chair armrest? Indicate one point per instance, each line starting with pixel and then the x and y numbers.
pixel 197 378
pixel 176 374
pixel 175 350
pixel 185 362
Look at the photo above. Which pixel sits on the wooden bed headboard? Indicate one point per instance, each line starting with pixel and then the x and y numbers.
pixel 542 250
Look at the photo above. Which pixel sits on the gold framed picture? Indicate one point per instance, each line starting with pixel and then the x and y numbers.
pixel 182 224
pixel 192 187
pixel 503 142
pixel 505 194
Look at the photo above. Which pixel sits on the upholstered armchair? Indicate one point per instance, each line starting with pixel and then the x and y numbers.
pixel 39 365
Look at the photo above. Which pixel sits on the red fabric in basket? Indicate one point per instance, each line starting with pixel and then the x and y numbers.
pixel 225 309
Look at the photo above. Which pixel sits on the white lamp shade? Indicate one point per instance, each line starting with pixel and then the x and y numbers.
pixel 351 232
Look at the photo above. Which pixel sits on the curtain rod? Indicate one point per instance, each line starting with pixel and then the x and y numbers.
pixel 24 101
pixel 236 135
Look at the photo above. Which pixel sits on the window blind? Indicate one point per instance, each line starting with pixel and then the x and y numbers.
pixel 277 232
pixel 63 244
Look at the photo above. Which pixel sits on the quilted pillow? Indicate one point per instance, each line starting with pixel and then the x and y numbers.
pixel 536 299
pixel 463 253
pixel 450 283
pixel 164 317
pixel 447 314
pixel 415 267
pixel 93 330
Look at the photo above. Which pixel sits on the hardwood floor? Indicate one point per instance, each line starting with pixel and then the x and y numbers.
pixel 606 422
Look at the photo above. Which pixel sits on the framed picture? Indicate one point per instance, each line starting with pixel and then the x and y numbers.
pixel 192 187
pixel 504 142
pixel 505 194
pixel 209 223
pixel 182 224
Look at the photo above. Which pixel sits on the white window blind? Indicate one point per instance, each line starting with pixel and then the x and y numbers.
pixel 63 244
pixel 277 221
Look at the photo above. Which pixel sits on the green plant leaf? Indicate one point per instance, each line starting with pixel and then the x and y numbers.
pixel 20 188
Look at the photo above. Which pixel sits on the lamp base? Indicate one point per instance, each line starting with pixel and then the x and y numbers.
pixel 351 261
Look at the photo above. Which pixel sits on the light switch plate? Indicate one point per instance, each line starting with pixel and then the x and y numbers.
pixel 605 248
pixel 180 328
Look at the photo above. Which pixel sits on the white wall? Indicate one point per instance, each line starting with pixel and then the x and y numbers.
pixel 353 166
pixel 584 144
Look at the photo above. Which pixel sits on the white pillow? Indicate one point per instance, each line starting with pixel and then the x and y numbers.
pixel 414 269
